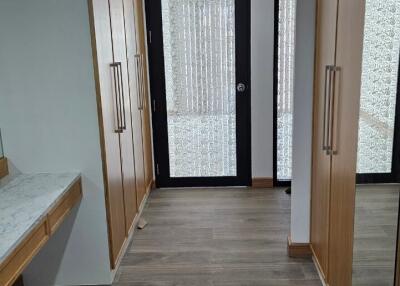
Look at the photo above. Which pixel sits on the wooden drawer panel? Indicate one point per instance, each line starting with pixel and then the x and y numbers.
pixel 3 167
pixel 19 259
pixel 59 212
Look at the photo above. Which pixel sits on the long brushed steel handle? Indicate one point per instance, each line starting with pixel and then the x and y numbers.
pixel 117 108
pixel 138 82
pixel 122 95
pixel 325 120
pixel 141 81
pixel 335 109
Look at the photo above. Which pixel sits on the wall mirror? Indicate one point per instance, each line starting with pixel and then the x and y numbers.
pixel 377 191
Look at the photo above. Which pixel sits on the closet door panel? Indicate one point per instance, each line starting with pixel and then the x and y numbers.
pixel 344 139
pixel 325 56
pixel 146 121
pixel 106 98
pixel 127 154
pixel 136 92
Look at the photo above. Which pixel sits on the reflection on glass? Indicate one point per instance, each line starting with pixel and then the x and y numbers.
pixel 379 86
pixel 377 206
pixel 286 45
pixel 375 235
pixel 199 55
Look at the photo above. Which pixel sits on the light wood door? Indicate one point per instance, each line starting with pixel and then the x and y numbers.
pixel 126 142
pixel 325 56
pixel 344 139
pixel 107 110
pixel 146 121
pixel 136 91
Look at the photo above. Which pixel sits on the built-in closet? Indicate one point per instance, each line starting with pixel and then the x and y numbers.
pixel 337 83
pixel 121 87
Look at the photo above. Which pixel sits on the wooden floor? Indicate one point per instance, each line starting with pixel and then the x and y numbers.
pixel 375 235
pixel 215 237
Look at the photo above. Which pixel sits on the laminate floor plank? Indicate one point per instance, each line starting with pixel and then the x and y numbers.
pixel 215 237
pixel 375 234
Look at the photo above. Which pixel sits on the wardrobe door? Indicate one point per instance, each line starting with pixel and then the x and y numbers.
pixel 127 155
pixel 349 45
pixel 136 91
pixel 146 123
pixel 324 58
pixel 108 105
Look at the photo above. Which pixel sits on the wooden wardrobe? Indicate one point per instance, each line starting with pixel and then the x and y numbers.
pixel 337 84
pixel 122 104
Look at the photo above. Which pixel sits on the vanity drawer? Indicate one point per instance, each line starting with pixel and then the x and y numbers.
pixel 21 256
pixel 62 209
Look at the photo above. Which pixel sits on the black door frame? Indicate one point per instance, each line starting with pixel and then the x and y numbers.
pixel 159 110
pixel 394 176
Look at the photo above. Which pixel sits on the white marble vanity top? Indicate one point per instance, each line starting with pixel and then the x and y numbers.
pixel 24 201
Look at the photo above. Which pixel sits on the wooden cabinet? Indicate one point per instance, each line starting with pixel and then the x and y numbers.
pixel 30 243
pixel 337 85
pixel 119 72
pixel 135 62
pixel 146 124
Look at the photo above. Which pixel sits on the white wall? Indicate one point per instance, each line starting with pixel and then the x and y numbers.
pixel 49 123
pixel 302 121
pixel 262 67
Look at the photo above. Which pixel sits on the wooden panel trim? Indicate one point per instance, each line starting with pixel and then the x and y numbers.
pixel 64 207
pixel 260 182
pixel 297 250
pixel 3 167
pixel 317 265
pixel 12 267
pixel 127 241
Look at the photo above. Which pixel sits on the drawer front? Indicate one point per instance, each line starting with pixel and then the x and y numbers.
pixel 19 259
pixel 62 209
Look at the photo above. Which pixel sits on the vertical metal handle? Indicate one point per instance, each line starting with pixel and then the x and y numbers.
pixel 326 102
pixel 138 82
pixel 122 94
pixel 118 115
pixel 335 109
pixel 142 81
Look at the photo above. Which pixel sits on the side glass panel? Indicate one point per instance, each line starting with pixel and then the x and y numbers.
pixel 199 55
pixel 379 86
pixel 286 48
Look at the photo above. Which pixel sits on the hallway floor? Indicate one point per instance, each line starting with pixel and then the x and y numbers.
pixel 215 237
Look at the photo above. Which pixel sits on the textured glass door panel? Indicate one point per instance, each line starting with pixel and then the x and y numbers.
pixel 286 45
pixel 379 86
pixel 199 56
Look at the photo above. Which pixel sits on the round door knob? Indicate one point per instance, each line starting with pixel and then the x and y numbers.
pixel 241 87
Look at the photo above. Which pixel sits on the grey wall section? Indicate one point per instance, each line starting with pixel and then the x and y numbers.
pixel 302 121
pixel 262 68
pixel 48 118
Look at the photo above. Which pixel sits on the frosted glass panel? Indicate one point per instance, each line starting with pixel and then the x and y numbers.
pixel 286 45
pixel 199 55
pixel 379 86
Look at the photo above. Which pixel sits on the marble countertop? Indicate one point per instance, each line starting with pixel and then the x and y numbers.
pixel 24 201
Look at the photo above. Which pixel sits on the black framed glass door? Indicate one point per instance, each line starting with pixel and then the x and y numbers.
pixel 379 134
pixel 199 58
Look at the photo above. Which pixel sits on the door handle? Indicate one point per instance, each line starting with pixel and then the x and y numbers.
pixel 335 109
pixel 142 81
pixel 118 115
pixel 122 94
pixel 325 131
pixel 138 81
pixel 241 87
